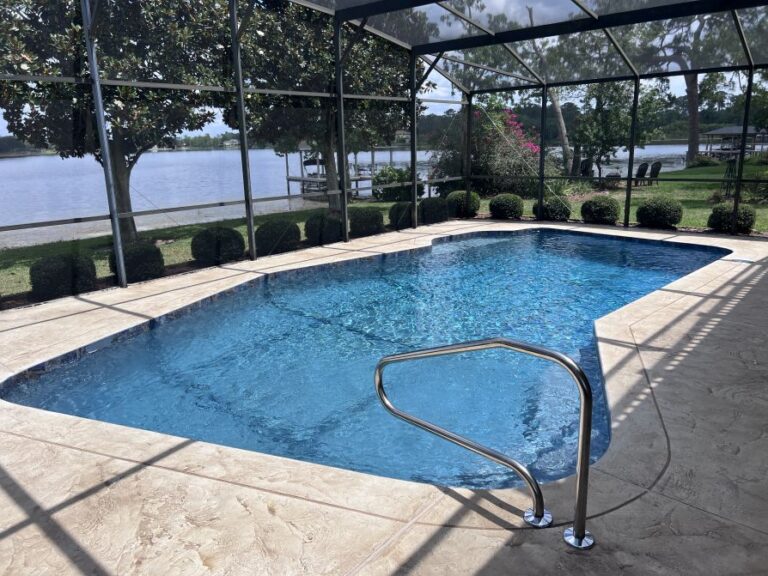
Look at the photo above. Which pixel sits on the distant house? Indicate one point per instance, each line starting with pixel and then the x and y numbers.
pixel 402 137
pixel 231 143
pixel 726 142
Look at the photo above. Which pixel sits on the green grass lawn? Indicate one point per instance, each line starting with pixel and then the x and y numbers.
pixel 694 196
pixel 175 242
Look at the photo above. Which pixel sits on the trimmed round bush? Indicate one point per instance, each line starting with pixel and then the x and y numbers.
pixel 701 161
pixel 62 275
pixel 721 217
pixel 323 228
pixel 400 215
pixel 276 236
pixel 143 261
pixel 600 210
pixel 217 245
pixel 365 221
pixel 553 209
pixel 506 206
pixel 457 204
pixel 659 212
pixel 433 210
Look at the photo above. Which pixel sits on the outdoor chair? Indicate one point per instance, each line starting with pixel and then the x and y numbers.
pixel 585 168
pixel 654 175
pixel 640 179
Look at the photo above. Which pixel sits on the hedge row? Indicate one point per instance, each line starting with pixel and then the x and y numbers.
pixel 62 275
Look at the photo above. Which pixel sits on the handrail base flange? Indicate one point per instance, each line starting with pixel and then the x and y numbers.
pixel 579 543
pixel 542 522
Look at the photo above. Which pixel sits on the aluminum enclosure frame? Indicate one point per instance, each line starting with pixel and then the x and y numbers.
pixel 358 16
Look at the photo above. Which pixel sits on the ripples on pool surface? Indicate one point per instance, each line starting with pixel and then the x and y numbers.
pixel 286 367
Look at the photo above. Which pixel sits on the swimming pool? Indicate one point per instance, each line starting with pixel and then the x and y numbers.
pixel 286 366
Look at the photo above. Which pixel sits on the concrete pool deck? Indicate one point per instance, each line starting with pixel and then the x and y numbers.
pixel 683 488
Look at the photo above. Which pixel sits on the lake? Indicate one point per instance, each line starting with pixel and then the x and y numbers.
pixel 42 188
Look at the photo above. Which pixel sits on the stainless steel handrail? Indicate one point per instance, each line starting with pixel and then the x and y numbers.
pixel 576 535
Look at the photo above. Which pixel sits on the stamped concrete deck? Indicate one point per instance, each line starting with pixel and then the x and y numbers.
pixel 683 488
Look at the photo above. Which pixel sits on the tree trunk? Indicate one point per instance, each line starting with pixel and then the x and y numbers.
pixel 328 153
pixel 562 131
pixel 692 97
pixel 576 161
pixel 122 174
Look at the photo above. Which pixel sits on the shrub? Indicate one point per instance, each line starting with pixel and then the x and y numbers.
pixel 555 209
pixel 391 175
pixel 365 221
pixel 659 212
pixel 323 228
pixel 612 181
pixel 400 215
pixel 433 210
pixel 578 188
pixel 143 261
pixel 506 206
pixel 758 191
pixel 276 236
pixel 716 197
pixel 217 245
pixel 701 161
pixel 457 204
pixel 600 210
pixel 721 218
pixel 62 275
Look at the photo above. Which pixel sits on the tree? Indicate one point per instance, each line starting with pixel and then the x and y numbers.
pixel 685 44
pixel 604 125
pixel 180 42
pixel 503 151
pixel 605 121
pixel 301 41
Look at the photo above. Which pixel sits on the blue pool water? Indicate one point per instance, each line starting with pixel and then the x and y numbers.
pixel 286 366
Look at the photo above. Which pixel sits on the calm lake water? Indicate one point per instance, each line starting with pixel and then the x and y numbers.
pixel 42 188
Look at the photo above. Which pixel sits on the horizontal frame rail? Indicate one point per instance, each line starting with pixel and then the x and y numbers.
pixel 47 223
pixel 576 535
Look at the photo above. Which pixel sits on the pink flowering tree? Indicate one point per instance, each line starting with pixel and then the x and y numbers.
pixel 503 150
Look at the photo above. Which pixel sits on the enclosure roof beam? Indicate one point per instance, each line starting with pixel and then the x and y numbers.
pixel 379 7
pixel 625 18
pixel 490 32
pixel 592 14
pixel 446 75
pixel 621 52
pixel 584 8
pixel 464 17
pixel 523 63
pixel 426 74
pixel 743 38
pixel 648 76
pixel 488 68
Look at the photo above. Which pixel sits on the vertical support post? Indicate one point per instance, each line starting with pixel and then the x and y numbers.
pixel 742 150
pixel 242 127
pixel 542 151
pixel 468 150
pixel 287 175
pixel 414 112
pixel 106 156
pixel 341 151
pixel 631 165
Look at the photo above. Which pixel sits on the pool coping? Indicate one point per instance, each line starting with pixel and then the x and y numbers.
pixel 636 459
